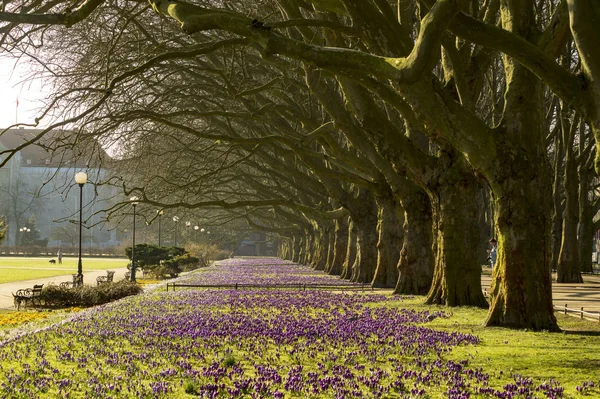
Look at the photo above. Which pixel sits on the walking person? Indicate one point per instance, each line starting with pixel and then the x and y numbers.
pixel 493 252
pixel 59 254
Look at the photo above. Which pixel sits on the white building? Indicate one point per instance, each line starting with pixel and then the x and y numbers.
pixel 37 190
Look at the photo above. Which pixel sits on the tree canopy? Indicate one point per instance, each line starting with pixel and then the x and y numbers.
pixel 373 136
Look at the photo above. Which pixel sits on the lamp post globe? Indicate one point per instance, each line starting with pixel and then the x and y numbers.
pixel 160 212
pixel 134 201
pixel 188 226
pixel 80 178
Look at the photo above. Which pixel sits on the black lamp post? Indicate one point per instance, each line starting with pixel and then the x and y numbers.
pixel 175 220
pixel 196 234
pixel 160 213
pixel 188 226
pixel 134 202
pixel 81 179
pixel 24 231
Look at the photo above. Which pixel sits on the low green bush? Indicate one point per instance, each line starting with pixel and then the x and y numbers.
pixel 53 296
pixel 163 262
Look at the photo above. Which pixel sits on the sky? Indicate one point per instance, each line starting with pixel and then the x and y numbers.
pixel 12 89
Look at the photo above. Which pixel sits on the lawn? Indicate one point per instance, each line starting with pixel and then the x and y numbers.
pixel 294 344
pixel 22 268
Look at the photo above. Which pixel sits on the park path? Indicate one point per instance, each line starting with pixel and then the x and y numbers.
pixel 576 296
pixel 586 295
pixel 89 277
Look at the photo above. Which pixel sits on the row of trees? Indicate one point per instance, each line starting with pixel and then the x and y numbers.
pixel 383 140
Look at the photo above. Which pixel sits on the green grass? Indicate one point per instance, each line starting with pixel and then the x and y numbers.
pixel 23 268
pixel 570 357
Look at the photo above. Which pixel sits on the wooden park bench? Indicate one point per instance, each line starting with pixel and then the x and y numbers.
pixel 28 296
pixel 105 279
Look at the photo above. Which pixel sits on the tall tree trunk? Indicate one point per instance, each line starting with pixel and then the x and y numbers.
pixel 521 292
pixel 319 248
pixel 568 258
pixel 586 222
pixel 296 245
pixel 457 275
pixel 350 256
pixel 330 247
pixel 486 222
pixel 365 219
pixel 557 199
pixel 340 246
pixel 284 249
pixel 415 266
pixel 521 286
pixel 308 245
pixel 389 227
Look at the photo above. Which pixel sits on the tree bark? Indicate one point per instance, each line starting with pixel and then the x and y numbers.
pixel 389 228
pixel 558 207
pixel 568 258
pixel 521 292
pixel 330 247
pixel 350 256
pixel 296 245
pixel 340 246
pixel 365 219
pixel 416 263
pixel 457 275
pixel 319 249
pixel 521 286
pixel 586 221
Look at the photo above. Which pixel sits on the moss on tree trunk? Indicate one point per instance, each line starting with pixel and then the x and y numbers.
pixel 521 292
pixel 415 266
pixel 568 258
pixel 350 256
pixel 457 274
pixel 389 227
pixel 340 246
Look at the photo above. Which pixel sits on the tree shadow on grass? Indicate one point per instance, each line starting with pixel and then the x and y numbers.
pixel 581 332
pixel 591 364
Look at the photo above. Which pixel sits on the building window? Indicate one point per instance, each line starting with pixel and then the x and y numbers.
pixel 47 162
pixel 29 162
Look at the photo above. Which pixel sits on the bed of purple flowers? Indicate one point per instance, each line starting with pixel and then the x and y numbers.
pixel 263 271
pixel 250 344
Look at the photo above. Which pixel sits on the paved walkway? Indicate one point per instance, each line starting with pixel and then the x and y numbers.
pixel 6 290
pixel 576 296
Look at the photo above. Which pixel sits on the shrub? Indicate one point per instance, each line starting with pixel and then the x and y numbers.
pixel 151 255
pixel 207 252
pixel 172 267
pixel 87 295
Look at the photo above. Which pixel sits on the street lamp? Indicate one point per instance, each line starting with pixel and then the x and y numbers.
pixel 196 233
pixel 24 230
pixel 134 202
pixel 175 220
pixel 160 213
pixel 188 225
pixel 81 179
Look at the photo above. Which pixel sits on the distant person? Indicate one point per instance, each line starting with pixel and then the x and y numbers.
pixel 493 252
pixel 59 254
